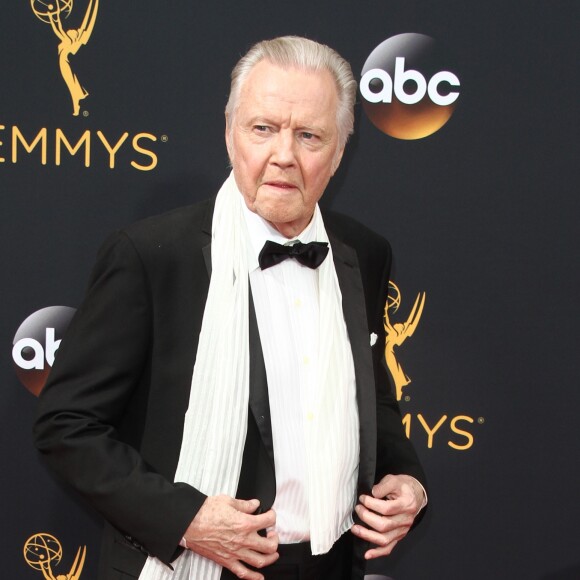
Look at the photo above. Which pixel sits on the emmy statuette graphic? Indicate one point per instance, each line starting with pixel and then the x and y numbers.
pixel 52 12
pixel 43 551
pixel 398 332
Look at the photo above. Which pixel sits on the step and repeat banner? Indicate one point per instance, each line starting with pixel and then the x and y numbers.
pixel 465 157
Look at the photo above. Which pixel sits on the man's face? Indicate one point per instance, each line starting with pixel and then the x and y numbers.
pixel 283 143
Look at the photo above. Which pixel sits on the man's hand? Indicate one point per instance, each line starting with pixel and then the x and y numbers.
pixel 224 531
pixel 389 513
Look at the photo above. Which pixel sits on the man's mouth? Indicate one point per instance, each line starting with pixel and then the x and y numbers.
pixel 283 185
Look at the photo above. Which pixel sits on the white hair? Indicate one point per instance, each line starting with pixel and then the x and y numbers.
pixel 305 54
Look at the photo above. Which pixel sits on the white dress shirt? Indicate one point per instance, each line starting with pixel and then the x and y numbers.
pixel 286 303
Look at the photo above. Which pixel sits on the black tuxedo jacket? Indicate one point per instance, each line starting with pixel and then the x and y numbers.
pixel 110 419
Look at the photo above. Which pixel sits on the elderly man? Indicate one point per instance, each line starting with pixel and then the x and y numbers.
pixel 283 456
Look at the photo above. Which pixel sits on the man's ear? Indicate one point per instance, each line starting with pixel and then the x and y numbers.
pixel 228 137
pixel 337 159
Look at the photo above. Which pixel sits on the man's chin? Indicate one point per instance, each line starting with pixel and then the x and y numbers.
pixel 288 224
pixel 279 191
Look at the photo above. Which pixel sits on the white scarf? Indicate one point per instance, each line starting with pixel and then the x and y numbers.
pixel 216 420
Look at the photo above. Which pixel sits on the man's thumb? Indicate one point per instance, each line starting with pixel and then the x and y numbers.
pixel 248 506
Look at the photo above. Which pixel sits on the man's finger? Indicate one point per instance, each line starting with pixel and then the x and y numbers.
pixel 260 544
pixel 383 523
pixel 402 487
pixel 242 571
pixel 261 521
pixel 389 507
pixel 380 552
pixel 384 542
pixel 247 506
pixel 370 535
pixel 256 559
pixel 390 484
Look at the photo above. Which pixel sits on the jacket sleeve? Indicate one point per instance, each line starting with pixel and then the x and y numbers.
pixel 99 376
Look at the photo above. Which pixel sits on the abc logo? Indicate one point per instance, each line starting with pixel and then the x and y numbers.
pixel 35 344
pixel 406 90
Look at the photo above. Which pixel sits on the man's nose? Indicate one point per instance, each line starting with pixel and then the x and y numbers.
pixel 283 149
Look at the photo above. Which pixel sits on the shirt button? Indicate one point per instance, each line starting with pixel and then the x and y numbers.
pixel 297 303
pixel 309 415
pixel 306 360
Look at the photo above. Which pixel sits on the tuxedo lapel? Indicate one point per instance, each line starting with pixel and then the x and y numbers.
pixel 258 473
pixel 259 401
pixel 354 310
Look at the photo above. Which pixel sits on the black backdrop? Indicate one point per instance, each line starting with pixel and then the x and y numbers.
pixel 482 216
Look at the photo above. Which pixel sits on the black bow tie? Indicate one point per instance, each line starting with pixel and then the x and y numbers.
pixel 311 255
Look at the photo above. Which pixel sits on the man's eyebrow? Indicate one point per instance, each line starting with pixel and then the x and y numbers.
pixel 319 129
pixel 262 120
pixel 324 133
pixel 304 127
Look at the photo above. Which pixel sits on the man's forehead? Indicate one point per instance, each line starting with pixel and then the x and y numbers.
pixel 272 87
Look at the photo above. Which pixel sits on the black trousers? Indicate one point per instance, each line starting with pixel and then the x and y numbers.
pixel 296 562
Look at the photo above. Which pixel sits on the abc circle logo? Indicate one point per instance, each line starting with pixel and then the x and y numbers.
pixel 407 91
pixel 35 344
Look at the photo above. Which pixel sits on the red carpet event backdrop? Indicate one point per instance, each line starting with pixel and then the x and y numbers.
pixel 465 157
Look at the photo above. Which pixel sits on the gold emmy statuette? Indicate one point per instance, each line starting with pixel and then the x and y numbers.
pixel 397 334
pixel 42 551
pixel 52 12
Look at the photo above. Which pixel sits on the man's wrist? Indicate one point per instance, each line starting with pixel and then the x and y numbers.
pixel 423 491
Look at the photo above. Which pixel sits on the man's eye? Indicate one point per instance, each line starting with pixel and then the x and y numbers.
pixel 261 128
pixel 306 135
